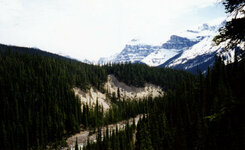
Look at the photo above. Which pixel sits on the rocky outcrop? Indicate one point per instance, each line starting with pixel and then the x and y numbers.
pixel 131 92
pixel 112 86
pixel 135 53
pixel 177 42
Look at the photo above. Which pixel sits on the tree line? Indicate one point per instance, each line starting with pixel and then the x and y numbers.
pixel 140 74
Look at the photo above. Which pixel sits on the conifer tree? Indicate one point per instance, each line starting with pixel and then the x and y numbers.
pixel 76 145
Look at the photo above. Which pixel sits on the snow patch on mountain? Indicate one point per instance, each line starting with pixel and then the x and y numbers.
pixel 200 56
pixel 178 46
pixel 159 57
pixel 134 51
pixel 203 53
pixel 88 61
pixel 203 47
pixel 105 60
pixel 228 56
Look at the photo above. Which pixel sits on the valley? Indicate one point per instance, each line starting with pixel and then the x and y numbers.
pixel 84 135
pixel 185 93
pixel 93 96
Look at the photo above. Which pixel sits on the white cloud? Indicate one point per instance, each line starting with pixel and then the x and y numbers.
pixel 93 28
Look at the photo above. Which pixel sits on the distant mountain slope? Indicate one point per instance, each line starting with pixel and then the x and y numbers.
pixel 160 56
pixel 203 54
pixel 133 52
pixel 200 56
pixel 186 50
pixel 176 45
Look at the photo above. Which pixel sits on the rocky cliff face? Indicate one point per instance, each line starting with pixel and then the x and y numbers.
pixel 178 42
pixel 135 53
pixel 112 86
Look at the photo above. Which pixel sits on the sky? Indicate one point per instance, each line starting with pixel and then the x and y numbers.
pixel 98 28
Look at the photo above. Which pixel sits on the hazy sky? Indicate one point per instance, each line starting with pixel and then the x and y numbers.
pixel 98 28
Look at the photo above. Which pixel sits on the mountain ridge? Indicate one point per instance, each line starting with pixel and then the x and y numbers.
pixel 189 50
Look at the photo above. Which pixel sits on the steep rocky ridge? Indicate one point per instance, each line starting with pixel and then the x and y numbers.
pixel 112 86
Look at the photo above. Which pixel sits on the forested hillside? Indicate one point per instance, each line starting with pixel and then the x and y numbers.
pixel 38 106
pixel 36 100
pixel 207 114
pixel 139 74
pixel 204 114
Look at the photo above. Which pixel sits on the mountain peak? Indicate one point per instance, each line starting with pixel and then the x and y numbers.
pixel 179 42
pixel 134 42
pixel 204 26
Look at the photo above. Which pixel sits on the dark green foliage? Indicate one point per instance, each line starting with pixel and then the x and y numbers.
pixel 143 136
pixel 121 110
pixel 113 140
pixel 234 30
pixel 231 5
pixel 37 104
pixel 76 145
pixel 139 74
pixel 207 114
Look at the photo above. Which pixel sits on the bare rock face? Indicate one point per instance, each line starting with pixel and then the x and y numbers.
pixel 91 96
pixel 178 42
pixel 135 53
pixel 130 92
pixel 112 86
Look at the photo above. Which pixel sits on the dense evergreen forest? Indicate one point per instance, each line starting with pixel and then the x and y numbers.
pixel 204 114
pixel 113 140
pixel 37 103
pixel 139 74
pixel 38 106
pixel 207 114
pixel 94 117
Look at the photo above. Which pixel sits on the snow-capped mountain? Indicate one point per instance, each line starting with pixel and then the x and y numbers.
pixel 188 50
pixel 155 55
pixel 201 54
pixel 88 61
pixel 179 42
pixel 160 56
pixel 134 52
pixel 171 48
pixel 105 60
